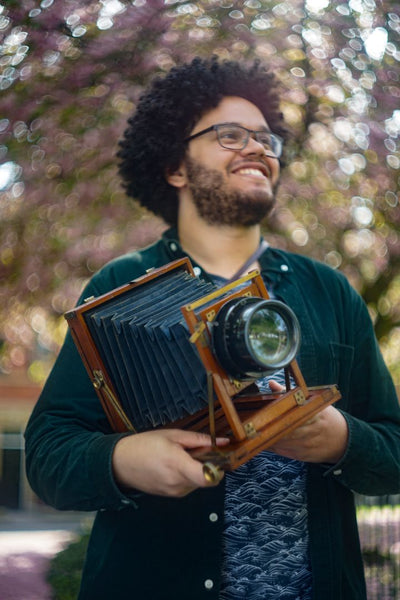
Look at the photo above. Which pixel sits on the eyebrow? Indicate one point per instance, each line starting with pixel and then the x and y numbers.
pixel 262 128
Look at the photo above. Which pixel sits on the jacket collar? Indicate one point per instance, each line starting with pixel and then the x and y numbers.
pixel 274 262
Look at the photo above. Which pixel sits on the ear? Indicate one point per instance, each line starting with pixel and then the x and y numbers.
pixel 176 178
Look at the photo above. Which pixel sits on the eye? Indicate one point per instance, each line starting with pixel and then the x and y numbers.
pixel 265 138
pixel 230 135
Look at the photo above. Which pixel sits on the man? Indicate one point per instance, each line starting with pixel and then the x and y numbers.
pixel 202 150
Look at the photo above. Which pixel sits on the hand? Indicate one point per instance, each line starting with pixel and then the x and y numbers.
pixel 156 462
pixel 322 439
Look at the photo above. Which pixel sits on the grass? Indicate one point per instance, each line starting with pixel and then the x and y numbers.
pixel 65 571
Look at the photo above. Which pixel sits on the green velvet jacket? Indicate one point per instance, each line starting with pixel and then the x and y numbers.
pixel 148 547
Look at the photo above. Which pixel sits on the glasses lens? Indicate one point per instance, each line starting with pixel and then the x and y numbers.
pixel 270 142
pixel 235 137
pixel 269 337
pixel 232 136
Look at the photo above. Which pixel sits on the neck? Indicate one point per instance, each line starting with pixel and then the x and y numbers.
pixel 220 250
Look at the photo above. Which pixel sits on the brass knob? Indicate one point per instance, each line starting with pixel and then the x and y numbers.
pixel 212 473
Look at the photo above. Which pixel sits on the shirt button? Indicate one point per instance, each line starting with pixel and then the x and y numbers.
pixel 213 517
pixel 208 584
pixel 337 472
pixel 173 247
pixel 284 268
pixel 197 271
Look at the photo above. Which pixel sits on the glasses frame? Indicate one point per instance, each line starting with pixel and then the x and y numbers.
pixel 255 132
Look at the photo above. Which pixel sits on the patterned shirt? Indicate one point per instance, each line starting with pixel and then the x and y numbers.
pixel 266 545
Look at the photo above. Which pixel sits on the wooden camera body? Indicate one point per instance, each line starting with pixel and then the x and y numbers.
pixel 222 405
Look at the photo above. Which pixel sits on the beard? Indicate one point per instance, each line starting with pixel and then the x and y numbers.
pixel 218 204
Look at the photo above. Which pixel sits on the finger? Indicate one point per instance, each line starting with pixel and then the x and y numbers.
pixel 274 386
pixel 222 441
pixel 193 439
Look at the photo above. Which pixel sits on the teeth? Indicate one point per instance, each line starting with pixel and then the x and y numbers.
pixel 255 172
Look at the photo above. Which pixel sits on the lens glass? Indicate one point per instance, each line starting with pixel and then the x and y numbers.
pixel 269 337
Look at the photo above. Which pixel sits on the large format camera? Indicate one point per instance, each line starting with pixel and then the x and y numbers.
pixel 171 350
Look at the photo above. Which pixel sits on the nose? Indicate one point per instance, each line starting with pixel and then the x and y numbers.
pixel 253 147
pixel 257 150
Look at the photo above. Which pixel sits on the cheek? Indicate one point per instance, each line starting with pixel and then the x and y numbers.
pixel 275 168
pixel 213 157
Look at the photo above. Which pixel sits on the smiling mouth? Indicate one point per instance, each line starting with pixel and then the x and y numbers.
pixel 254 172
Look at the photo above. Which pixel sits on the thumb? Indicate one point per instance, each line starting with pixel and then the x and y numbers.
pixel 274 386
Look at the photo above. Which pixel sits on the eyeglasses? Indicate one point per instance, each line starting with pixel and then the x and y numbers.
pixel 236 137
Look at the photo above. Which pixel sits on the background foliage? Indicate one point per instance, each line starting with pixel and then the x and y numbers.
pixel 70 73
pixel 65 569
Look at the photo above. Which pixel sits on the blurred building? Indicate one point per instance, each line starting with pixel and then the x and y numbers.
pixel 17 398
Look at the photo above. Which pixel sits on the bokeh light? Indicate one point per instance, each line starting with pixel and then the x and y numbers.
pixel 70 75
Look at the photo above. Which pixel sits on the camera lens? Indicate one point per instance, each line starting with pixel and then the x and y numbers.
pixel 268 337
pixel 253 337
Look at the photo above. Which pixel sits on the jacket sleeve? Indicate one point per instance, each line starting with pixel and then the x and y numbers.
pixel 371 464
pixel 69 443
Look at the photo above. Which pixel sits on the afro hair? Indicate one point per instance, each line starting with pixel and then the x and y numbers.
pixel 154 141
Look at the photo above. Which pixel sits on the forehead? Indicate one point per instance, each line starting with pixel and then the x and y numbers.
pixel 233 109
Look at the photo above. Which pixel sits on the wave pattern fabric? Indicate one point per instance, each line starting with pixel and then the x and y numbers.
pixel 266 535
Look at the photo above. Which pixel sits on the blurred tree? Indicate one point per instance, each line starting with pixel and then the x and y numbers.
pixel 70 73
